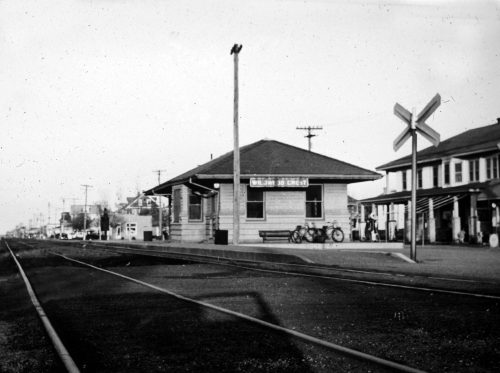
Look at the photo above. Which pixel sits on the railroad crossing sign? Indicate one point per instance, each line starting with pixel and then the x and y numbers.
pixel 419 124
pixel 412 127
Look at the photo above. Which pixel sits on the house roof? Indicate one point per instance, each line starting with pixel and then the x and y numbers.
pixel 273 158
pixel 133 202
pixel 477 140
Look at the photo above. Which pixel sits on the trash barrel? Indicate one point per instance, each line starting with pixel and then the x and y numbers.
pixel 148 235
pixel 220 237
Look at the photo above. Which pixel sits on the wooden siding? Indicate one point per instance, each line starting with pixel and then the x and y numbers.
pixel 284 209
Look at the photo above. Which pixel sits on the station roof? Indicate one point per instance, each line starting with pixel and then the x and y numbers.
pixel 266 158
pixel 477 140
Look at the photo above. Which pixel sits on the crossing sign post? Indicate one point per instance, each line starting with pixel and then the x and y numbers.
pixel 414 125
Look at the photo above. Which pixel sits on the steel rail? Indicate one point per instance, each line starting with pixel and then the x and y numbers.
pixel 203 259
pixel 302 336
pixel 61 350
pixel 195 257
pixel 375 283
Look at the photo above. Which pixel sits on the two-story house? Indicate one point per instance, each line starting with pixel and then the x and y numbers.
pixel 458 189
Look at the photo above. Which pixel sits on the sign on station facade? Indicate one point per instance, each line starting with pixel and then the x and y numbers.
pixel 279 182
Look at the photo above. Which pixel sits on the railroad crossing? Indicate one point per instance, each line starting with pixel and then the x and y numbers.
pixel 412 127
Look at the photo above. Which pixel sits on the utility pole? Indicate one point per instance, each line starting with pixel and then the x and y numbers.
pixel 160 214
pixel 63 208
pixel 62 220
pixel 236 153
pixel 86 186
pixel 309 134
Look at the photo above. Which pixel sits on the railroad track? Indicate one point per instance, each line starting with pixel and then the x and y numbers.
pixel 314 272
pixel 289 333
pixel 455 286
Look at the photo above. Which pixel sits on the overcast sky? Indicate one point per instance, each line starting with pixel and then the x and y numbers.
pixel 105 92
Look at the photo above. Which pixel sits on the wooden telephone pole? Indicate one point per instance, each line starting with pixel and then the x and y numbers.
pixel 309 133
pixel 160 213
pixel 235 50
pixel 86 186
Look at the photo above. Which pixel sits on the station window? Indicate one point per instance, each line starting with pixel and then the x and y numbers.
pixel 195 207
pixel 177 205
pixel 405 181
pixel 314 201
pixel 255 203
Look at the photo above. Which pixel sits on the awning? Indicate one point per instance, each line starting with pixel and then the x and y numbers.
pixel 435 193
pixel 423 203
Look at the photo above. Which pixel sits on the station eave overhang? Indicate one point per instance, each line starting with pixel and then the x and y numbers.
pixel 333 177
pixel 161 190
pixel 208 180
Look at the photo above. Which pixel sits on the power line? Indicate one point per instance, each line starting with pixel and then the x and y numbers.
pixel 309 130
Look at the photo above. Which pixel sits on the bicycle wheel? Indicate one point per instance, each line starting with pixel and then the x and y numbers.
pixel 296 237
pixel 310 234
pixel 337 235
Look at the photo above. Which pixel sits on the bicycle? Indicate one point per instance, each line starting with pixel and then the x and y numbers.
pixel 312 234
pixel 301 233
pixel 333 231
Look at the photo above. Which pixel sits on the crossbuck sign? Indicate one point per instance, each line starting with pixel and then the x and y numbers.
pixel 412 127
pixel 419 124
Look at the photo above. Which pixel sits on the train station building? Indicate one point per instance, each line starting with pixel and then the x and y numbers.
pixel 281 186
pixel 458 196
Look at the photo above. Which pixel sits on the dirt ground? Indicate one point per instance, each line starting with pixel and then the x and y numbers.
pixel 144 331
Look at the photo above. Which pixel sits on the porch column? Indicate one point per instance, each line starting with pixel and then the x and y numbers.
pixel 362 224
pixel 408 222
pixel 456 227
pixel 375 211
pixel 473 218
pixel 391 224
pixel 432 222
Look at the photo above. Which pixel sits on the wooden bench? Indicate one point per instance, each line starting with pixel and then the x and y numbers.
pixel 277 235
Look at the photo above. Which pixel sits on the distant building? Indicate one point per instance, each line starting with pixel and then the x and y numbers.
pixel 130 226
pixel 93 210
pixel 139 205
pixel 458 194
pixel 282 186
